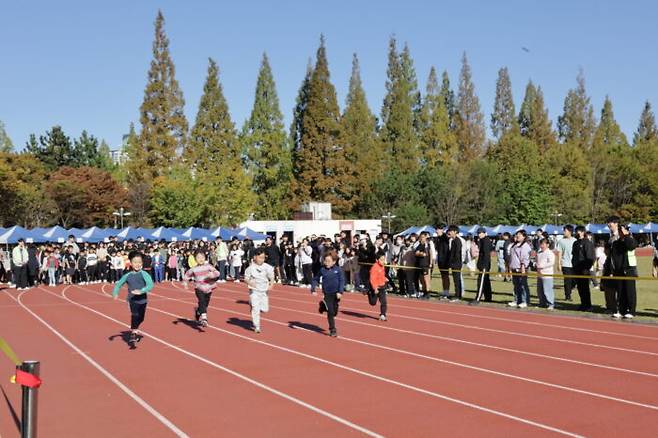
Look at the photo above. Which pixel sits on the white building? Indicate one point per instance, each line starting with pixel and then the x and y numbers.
pixel 299 229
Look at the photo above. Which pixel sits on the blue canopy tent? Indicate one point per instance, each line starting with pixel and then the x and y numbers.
pixel 551 229
pixel 93 235
pixel 465 230
pixel 637 228
pixel 597 228
pixel 222 232
pixel 247 233
pixel 426 229
pixel 11 235
pixel 54 234
pixel 194 233
pixel 163 233
pixel 129 233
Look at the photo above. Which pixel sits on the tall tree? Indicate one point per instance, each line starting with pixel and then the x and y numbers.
pixel 137 178
pixel 179 200
pixel 296 127
pixel 470 120
pixel 267 149
pixel 215 155
pixel 437 141
pixel 53 149
pixel 6 144
pixel 320 162
pixel 576 125
pixel 363 151
pixel 398 111
pixel 534 121
pixel 164 126
pixel 85 150
pixel 448 96
pixel 646 129
pixel 503 117
pixel 103 158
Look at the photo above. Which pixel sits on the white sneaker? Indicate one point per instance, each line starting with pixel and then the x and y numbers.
pixel 551 307
pixel 512 304
pixel 523 306
pixel 616 315
pixel 12 286
pixel 302 286
pixel 628 316
pixel 236 281
pixel 382 317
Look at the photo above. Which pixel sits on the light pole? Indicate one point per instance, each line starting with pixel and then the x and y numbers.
pixel 556 215
pixel 389 217
pixel 121 213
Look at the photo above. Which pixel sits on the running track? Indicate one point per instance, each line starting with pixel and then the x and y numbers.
pixel 434 369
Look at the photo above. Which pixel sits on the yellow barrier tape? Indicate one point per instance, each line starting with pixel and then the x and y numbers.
pixel 521 274
pixel 6 349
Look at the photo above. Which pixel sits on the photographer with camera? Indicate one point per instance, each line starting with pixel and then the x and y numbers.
pixel 621 263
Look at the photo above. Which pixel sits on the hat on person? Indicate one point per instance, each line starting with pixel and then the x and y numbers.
pixel 481 230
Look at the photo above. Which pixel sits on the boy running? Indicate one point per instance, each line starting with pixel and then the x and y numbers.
pixel 259 276
pixel 333 286
pixel 378 282
pixel 204 276
pixel 139 284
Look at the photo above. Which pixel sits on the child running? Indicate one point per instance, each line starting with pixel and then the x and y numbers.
pixel 378 282
pixel 259 276
pixel 204 276
pixel 333 286
pixel 139 284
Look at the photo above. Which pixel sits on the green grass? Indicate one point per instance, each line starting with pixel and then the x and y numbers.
pixel 647 294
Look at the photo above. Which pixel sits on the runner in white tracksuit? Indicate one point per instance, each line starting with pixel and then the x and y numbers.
pixel 259 276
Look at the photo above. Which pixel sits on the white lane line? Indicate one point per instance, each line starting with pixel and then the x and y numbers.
pixel 508 312
pixel 375 377
pixel 228 370
pixel 436 359
pixel 478 344
pixel 150 409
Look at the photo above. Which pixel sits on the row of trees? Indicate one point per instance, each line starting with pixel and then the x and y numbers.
pixel 426 158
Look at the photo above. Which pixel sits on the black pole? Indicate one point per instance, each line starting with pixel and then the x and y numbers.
pixel 30 395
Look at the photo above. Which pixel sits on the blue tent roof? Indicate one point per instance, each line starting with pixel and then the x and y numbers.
pixel 194 233
pixel 129 233
pixel 247 233
pixel 163 233
pixel 55 234
pixel 93 235
pixel 11 235
pixel 223 233
pixel 650 228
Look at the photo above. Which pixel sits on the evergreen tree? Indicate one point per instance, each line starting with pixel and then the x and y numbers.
pixel 164 127
pixel 410 81
pixel 569 180
pixel 448 98
pixel 399 110
pixel 362 149
pixel 470 121
pixel 320 160
pixel 85 150
pixel 576 125
pixel 215 156
pixel 103 158
pixel 437 141
pixel 534 121
pixel 296 127
pixel 53 149
pixel 267 151
pixel 134 175
pixel 503 117
pixel 6 144
pixel 646 130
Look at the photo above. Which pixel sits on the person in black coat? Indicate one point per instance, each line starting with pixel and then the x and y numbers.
pixel 455 261
pixel 582 259
pixel 484 263
pixel 442 244
pixel 33 266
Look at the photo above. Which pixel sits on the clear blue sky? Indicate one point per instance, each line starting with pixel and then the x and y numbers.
pixel 83 64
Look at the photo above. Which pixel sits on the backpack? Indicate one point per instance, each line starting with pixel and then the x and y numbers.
pixel 475 250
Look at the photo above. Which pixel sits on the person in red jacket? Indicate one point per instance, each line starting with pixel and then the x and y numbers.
pixel 378 282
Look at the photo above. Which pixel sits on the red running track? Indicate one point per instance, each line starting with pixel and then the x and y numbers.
pixel 433 369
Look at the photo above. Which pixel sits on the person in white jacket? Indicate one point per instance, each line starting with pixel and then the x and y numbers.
pixel 545 264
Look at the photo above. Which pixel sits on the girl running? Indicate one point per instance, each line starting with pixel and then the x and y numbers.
pixel 204 275
pixel 139 284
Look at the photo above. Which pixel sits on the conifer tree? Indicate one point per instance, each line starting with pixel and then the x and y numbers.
pixel 267 149
pixel 85 150
pixel 215 156
pixel 399 111
pixel 534 121
pixel 362 149
pixel 319 163
pixel 296 127
pixel 577 124
pixel 437 141
pixel 503 117
pixel 54 149
pixel 646 130
pixel 448 98
pixel 469 121
pixel 6 144
pixel 164 126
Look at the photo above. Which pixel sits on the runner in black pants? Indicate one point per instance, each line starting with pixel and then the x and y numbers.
pixel 333 286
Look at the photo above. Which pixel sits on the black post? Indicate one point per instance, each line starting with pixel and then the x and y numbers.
pixel 30 395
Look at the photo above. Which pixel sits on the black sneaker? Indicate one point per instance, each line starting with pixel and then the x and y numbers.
pixel 133 338
pixel 333 333
pixel 322 307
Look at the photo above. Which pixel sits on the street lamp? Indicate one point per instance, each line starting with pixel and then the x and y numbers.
pixel 389 217
pixel 121 213
pixel 556 215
